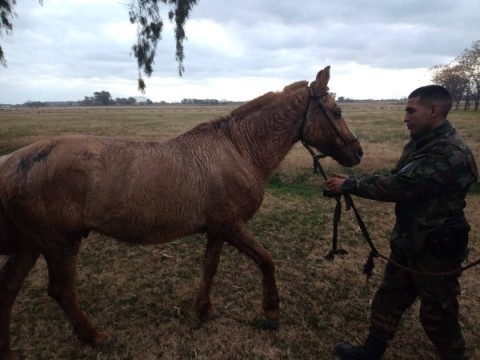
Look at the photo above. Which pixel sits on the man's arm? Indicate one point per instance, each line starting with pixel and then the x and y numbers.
pixel 418 180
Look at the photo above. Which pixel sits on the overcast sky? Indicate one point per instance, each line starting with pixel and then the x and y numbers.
pixel 236 50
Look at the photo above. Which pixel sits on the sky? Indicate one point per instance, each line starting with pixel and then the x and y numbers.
pixel 236 50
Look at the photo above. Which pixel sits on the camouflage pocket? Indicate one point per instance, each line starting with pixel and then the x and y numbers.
pixel 448 243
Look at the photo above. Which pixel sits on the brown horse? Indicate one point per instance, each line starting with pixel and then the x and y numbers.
pixel 210 179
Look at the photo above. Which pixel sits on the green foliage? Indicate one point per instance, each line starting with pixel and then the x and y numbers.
pixel 146 14
pixel 6 15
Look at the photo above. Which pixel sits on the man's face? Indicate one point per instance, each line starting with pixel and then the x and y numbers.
pixel 419 118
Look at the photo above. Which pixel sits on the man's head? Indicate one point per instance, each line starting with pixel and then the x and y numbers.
pixel 427 108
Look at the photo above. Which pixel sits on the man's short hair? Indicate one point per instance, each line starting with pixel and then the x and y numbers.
pixel 431 94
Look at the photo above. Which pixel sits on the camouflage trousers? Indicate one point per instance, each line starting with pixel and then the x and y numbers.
pixel 439 306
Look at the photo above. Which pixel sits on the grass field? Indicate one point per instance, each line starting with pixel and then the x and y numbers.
pixel 144 295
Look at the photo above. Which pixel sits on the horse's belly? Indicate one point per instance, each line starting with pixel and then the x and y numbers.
pixel 150 239
pixel 148 235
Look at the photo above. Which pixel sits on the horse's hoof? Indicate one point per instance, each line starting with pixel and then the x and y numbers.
pixel 216 315
pixel 103 340
pixel 265 324
pixel 10 355
pixel 109 342
pixel 271 324
pixel 213 316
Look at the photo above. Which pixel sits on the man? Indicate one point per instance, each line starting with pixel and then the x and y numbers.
pixel 428 185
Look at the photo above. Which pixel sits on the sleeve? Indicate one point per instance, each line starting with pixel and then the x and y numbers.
pixel 419 179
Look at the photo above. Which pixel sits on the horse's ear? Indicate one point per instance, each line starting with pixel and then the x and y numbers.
pixel 321 82
pixel 323 76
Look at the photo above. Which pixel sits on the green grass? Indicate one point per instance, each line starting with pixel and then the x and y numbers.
pixel 305 184
pixel 475 189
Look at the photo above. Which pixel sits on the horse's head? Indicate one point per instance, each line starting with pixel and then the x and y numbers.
pixel 324 126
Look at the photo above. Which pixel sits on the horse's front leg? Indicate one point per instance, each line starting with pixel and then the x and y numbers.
pixel 239 236
pixel 61 271
pixel 203 303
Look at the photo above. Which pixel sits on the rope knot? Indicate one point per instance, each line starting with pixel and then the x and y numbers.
pixel 370 264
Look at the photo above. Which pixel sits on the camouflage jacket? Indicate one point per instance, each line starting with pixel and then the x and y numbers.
pixel 428 185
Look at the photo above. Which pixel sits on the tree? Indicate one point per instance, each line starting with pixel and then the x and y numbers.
pixel 99 98
pixel 453 78
pixel 102 98
pixel 146 15
pixel 123 101
pixel 462 76
pixel 470 61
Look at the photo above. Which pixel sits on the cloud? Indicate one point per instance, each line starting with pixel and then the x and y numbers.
pixel 236 51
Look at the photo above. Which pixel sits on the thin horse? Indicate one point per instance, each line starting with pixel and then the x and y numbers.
pixel 210 180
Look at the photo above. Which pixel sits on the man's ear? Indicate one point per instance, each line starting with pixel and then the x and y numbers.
pixel 436 109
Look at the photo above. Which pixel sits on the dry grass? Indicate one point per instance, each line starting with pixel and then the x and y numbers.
pixel 144 295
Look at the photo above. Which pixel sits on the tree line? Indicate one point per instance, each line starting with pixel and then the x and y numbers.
pixel 462 77
pixel 201 101
pixel 104 98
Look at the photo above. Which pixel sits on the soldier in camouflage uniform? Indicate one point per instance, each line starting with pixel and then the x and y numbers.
pixel 428 185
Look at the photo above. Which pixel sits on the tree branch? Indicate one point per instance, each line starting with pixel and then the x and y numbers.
pixel 146 15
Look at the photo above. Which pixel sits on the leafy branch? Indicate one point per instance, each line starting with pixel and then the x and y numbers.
pixel 146 15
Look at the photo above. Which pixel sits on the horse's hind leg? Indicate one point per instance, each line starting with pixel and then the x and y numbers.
pixel 240 237
pixel 203 302
pixel 12 276
pixel 61 287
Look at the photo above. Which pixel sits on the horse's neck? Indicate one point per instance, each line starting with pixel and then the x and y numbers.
pixel 266 137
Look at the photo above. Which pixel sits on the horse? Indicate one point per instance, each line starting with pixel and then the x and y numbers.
pixel 210 179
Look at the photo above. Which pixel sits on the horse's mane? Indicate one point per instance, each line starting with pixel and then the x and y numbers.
pixel 294 86
pixel 248 108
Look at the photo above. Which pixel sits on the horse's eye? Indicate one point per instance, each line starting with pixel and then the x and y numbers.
pixel 338 113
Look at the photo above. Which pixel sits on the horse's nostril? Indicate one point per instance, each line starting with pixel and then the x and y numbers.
pixel 360 153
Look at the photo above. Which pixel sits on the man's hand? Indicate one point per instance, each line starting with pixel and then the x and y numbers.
pixel 335 183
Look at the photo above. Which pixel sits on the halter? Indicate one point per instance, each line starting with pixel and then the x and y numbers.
pixel 316 157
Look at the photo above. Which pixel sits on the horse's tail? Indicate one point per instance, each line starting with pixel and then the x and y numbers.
pixel 5 248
